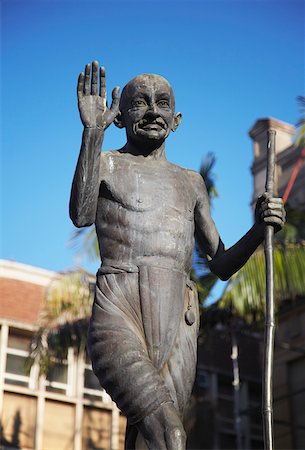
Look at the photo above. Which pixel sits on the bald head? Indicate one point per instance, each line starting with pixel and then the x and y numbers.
pixel 147 110
pixel 139 85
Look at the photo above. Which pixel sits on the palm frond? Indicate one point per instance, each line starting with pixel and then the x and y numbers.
pixel 294 229
pixel 246 289
pixel 84 240
pixel 206 171
pixel 300 139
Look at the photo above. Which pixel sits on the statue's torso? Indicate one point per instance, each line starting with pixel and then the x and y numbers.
pixel 145 212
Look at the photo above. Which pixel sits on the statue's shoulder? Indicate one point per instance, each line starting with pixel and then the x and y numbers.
pixel 192 175
pixel 193 179
pixel 112 154
pixel 110 162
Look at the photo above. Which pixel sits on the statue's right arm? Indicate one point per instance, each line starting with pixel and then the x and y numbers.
pixel 96 117
pixel 86 181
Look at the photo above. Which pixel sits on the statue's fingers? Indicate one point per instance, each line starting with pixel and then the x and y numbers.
pixel 115 100
pixel 274 221
pixel 277 200
pixel 103 85
pixel 271 205
pixel 80 84
pixel 94 80
pixel 87 80
pixel 273 212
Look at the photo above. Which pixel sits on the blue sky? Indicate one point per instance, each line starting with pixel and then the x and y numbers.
pixel 229 62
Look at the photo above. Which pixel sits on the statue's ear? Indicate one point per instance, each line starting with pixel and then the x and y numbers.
pixel 176 121
pixel 118 121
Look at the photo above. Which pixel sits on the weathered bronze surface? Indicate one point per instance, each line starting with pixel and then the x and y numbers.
pixel 147 212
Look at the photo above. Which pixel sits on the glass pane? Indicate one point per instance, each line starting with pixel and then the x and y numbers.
pixel 91 381
pixel 56 390
pixel 225 408
pixel 255 392
pixel 87 359
pixel 58 373
pixel 255 416
pixel 227 441
pixel 202 379
pixel 258 445
pixel 15 364
pixel 16 382
pixel 16 340
pixel 225 385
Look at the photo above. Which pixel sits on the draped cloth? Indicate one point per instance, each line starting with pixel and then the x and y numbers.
pixel 142 349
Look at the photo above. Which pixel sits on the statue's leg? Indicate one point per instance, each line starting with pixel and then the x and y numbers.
pixel 152 398
pixel 178 374
pixel 133 439
pixel 118 350
pixel 162 429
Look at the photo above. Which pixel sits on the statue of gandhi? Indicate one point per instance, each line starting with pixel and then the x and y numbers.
pixel 147 212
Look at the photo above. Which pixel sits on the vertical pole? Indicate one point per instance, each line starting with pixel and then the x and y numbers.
pixel 115 413
pixel 269 324
pixel 40 416
pixel 3 348
pixel 79 408
pixel 236 385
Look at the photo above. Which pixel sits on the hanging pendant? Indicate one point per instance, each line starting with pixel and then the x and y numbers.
pixel 189 317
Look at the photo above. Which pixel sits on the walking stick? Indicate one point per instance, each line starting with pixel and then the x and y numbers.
pixel 269 325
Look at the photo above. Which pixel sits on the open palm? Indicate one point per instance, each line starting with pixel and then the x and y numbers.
pixel 92 103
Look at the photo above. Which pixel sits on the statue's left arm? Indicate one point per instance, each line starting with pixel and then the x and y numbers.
pixel 225 262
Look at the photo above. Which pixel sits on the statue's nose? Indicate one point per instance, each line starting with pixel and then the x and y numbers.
pixel 152 109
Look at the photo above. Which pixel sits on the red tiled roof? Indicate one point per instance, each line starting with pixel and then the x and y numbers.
pixel 20 300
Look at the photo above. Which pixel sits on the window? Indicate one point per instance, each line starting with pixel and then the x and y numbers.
pixel 203 379
pixel 57 378
pixel 16 356
pixel 92 387
pixel 255 394
pixel 226 398
pixel 90 380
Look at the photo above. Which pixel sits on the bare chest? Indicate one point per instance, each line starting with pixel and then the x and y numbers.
pixel 144 186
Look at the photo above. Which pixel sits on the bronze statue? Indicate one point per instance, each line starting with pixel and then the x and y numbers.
pixel 147 211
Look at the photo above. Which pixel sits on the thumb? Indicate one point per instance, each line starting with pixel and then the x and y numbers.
pixel 115 100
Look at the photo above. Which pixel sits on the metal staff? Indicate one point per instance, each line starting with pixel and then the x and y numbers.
pixel 269 325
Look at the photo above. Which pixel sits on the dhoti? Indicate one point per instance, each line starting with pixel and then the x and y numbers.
pixel 142 350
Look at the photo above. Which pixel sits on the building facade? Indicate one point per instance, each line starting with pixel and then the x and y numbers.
pixel 227 406
pixel 66 409
pixel 287 155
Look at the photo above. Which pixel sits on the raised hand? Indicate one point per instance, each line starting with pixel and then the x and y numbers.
pixel 92 102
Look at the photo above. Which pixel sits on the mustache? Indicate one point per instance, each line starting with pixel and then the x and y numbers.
pixel 157 121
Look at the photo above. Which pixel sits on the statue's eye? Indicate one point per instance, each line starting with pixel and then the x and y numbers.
pixel 163 104
pixel 139 103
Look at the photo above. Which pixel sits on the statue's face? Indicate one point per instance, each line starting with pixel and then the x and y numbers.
pixel 148 108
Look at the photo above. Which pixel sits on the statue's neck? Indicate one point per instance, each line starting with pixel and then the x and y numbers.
pixel 149 151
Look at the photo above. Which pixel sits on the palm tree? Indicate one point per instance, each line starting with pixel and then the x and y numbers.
pixel 64 320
